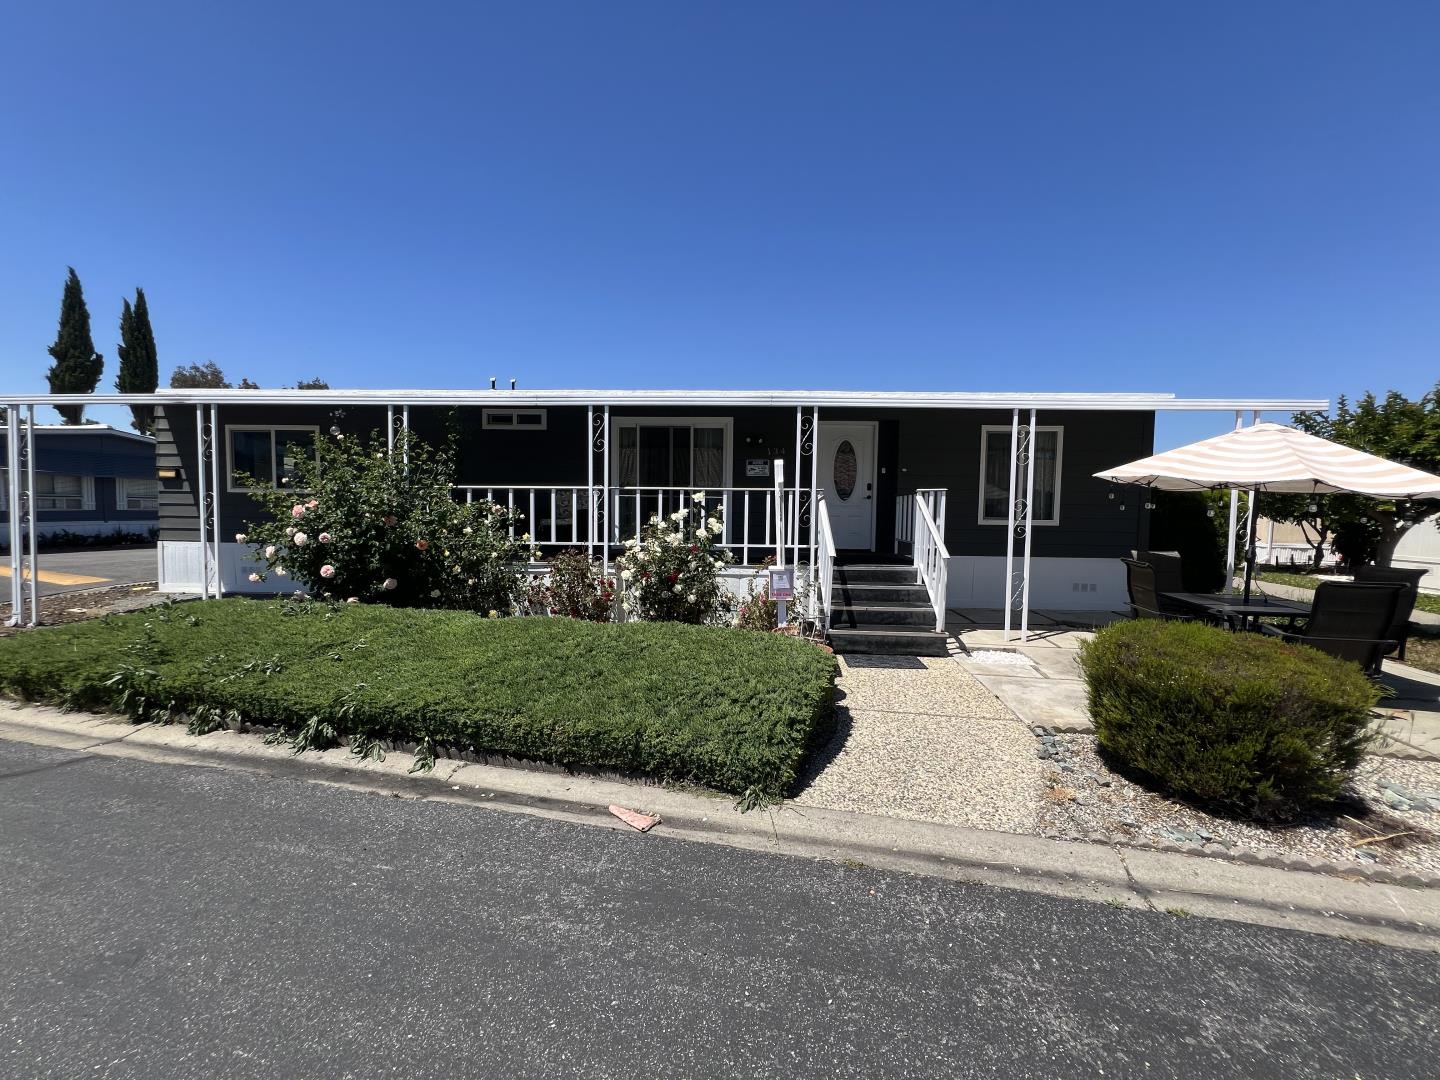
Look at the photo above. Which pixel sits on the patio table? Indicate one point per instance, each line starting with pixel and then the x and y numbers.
pixel 1238 612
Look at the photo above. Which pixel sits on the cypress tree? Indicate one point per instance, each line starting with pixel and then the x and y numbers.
pixel 139 362
pixel 77 365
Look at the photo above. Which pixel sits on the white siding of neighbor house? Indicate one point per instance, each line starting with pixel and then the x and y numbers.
pixel 1419 548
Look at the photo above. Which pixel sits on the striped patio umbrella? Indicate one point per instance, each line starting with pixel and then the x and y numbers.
pixel 1273 457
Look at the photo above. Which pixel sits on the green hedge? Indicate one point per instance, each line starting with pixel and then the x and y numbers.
pixel 730 710
pixel 1237 720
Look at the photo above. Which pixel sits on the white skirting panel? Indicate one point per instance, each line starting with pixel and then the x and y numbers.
pixel 978 581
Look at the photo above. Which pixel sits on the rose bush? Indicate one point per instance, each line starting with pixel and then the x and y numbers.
pixel 672 572
pixel 361 523
pixel 575 587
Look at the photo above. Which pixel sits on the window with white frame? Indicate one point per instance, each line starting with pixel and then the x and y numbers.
pixel 672 453
pixel 1046 446
pixel 269 454
pixel 513 419
pixel 136 492
pixel 54 491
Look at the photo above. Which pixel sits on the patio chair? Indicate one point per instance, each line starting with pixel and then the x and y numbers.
pixel 1410 579
pixel 1145 600
pixel 1350 622
pixel 1169 570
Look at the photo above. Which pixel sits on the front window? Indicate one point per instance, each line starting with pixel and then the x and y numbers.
pixel 995 457
pixel 672 455
pixel 269 454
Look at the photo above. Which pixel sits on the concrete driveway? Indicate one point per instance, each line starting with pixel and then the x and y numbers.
pixel 93 568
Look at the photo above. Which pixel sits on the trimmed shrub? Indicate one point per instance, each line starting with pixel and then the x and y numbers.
pixel 1240 721
pixel 735 712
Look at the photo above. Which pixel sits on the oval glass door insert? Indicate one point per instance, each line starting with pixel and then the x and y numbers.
pixel 845 469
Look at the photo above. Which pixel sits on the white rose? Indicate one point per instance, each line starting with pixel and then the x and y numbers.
pixel 691 598
pixel 699 496
pixel 239 538
pixel 626 575
pixel 714 524
pixel 676 589
pixel 300 539
pixel 280 571
pixel 269 551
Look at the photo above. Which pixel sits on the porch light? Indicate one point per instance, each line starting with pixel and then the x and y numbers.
pixel 167 474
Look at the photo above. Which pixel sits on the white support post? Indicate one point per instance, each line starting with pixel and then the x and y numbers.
pixel 405 423
pixel 799 449
pixel 1250 500
pixel 814 491
pixel 1009 519
pixel 31 451
pixel 605 482
pixel 589 480
pixel 215 490
pixel 200 500
pixel 1234 515
pixel 781 612
pixel 1029 530
pixel 390 429
pixel 12 479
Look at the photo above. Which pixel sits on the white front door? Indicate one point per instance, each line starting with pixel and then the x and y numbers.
pixel 846 471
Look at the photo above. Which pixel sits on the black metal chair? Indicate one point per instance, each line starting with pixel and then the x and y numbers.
pixel 1350 622
pixel 1410 579
pixel 1145 601
pixel 1169 570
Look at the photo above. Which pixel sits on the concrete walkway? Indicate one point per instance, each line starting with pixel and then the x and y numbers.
pixel 1045 686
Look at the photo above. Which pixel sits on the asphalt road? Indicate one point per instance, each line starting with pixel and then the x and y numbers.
pixel 169 921
pixel 91 568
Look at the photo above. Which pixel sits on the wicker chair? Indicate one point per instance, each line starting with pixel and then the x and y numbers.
pixel 1410 579
pixel 1350 622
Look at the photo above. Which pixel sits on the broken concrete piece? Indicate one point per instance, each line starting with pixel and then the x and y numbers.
pixel 635 819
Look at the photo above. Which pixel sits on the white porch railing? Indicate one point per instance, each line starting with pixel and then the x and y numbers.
pixel 822 596
pixel 560 515
pixel 905 513
pixel 928 551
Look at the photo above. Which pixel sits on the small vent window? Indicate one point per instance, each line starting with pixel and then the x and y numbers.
pixel 514 419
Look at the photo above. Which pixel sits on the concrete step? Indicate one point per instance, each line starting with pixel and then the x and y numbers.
pixel 889 641
pixel 877 574
pixel 850 616
pixel 879 595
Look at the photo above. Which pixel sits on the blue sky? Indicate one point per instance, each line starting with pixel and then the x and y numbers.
pixel 1200 198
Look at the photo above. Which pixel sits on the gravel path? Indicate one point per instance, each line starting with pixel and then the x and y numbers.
pixel 920 738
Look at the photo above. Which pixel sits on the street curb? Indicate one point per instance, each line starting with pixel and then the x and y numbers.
pixel 1098 869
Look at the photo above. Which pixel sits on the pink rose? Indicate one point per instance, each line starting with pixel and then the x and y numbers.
pixel 254 577
pixel 298 510
pixel 313 503
pixel 422 544
pixel 327 570
pixel 389 583
pixel 300 539
pixel 324 538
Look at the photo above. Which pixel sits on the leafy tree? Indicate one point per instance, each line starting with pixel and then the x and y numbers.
pixel 77 365
pixel 206 376
pixel 139 363
pixel 1393 427
pixel 316 383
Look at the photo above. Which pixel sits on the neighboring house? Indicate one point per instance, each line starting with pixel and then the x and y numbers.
pixel 587 465
pixel 90 479
pixel 1419 549
pixel 1282 543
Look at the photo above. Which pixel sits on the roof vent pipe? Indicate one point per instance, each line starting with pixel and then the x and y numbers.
pixel 512 384
pixel 492 382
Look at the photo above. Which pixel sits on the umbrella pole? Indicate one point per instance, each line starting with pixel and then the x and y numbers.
pixel 1254 517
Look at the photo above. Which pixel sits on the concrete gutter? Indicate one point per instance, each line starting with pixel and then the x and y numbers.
pixel 1159 881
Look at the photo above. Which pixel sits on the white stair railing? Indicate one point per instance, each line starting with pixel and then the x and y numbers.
pixel 822 595
pixel 930 556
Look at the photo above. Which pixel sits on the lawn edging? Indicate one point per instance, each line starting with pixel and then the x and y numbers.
pixel 734 711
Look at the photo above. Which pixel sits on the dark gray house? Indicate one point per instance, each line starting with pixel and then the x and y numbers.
pixel 991 496
pixel 90 480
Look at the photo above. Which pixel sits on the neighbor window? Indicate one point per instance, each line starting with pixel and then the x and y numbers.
pixel 54 491
pixel 514 419
pixel 269 454
pixel 995 456
pixel 136 492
